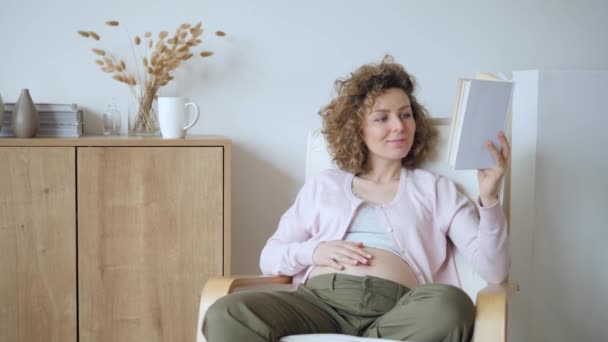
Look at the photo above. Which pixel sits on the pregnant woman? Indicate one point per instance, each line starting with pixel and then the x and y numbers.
pixel 370 245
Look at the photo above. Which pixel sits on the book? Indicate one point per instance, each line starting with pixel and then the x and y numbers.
pixel 47 107
pixel 58 131
pixel 62 132
pixel 481 110
pixel 50 117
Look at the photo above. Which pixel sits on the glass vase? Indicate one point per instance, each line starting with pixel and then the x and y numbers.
pixel 111 120
pixel 143 114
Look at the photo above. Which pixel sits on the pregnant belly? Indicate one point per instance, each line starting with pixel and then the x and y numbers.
pixel 383 264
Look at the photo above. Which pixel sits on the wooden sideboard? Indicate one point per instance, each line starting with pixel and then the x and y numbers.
pixel 110 239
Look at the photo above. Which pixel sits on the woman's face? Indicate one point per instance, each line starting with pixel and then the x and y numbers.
pixel 389 127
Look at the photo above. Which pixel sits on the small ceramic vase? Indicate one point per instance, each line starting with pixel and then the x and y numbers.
pixel 25 119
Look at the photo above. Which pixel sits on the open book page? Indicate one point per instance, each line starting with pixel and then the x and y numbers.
pixel 455 115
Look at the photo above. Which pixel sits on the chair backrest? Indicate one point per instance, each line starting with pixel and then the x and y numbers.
pixel 318 159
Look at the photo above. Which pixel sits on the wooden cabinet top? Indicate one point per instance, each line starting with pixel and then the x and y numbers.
pixel 194 140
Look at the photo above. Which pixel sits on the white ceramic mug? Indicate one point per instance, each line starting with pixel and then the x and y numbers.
pixel 172 116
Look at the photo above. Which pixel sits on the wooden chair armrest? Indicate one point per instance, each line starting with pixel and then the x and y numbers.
pixel 220 286
pixel 491 312
pixel 217 287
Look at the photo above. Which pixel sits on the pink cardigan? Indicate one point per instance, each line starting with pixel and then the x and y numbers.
pixel 427 218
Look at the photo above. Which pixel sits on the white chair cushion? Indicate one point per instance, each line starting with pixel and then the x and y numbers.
pixel 329 338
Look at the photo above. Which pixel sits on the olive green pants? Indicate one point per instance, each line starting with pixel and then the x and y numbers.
pixel 344 304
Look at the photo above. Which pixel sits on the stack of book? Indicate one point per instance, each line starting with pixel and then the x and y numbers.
pixel 56 120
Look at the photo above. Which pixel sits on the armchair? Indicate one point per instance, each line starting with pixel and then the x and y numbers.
pixel 491 301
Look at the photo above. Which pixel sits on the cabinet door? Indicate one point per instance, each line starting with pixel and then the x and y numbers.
pixel 37 244
pixel 149 235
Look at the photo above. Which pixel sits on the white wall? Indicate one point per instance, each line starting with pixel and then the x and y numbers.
pixel 268 79
pixel 559 204
pixel 569 262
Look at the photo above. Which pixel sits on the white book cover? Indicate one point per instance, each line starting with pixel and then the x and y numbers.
pixel 483 112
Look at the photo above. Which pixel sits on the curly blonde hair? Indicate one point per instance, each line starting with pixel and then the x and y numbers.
pixel 343 116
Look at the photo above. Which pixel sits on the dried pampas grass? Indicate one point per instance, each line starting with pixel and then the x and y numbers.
pixel 158 63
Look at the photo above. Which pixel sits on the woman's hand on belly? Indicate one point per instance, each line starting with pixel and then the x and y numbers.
pixel 337 254
pixel 384 264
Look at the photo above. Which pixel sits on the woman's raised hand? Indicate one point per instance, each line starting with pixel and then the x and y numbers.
pixel 489 179
pixel 338 253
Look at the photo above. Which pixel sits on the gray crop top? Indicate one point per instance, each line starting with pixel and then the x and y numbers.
pixel 368 229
